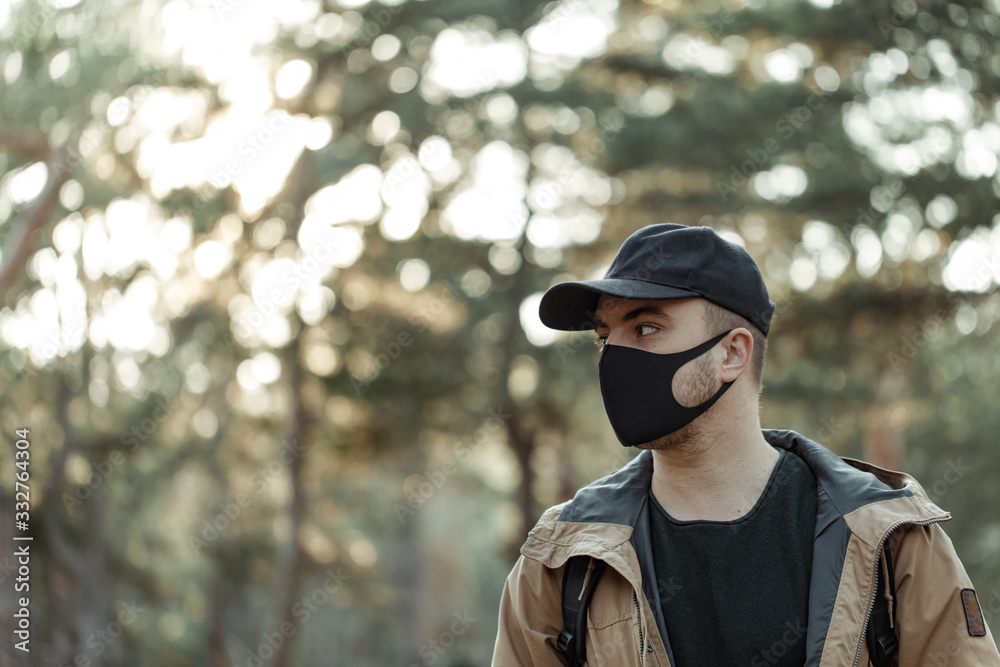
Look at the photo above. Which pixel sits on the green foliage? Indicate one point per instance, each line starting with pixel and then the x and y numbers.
pixel 379 463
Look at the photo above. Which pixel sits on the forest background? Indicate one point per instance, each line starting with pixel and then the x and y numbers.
pixel 270 273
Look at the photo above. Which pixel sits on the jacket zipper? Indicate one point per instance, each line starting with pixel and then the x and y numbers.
pixel 642 646
pixel 871 601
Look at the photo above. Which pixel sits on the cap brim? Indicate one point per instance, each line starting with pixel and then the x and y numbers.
pixel 572 306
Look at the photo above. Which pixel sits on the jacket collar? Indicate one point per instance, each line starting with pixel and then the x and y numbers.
pixel 616 502
pixel 608 519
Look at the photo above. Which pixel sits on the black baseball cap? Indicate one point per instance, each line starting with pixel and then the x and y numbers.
pixel 666 261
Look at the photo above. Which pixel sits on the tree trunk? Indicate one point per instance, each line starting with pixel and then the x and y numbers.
pixel 24 230
pixel 883 444
pixel 408 569
pixel 290 577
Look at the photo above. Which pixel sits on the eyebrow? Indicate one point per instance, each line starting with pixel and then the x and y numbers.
pixel 635 313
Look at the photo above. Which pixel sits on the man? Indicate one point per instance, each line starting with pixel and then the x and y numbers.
pixel 722 544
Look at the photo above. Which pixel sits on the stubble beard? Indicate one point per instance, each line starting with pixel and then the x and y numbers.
pixel 698 387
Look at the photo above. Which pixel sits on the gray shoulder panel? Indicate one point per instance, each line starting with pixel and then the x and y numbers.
pixel 847 488
pixel 842 488
pixel 829 552
pixel 616 498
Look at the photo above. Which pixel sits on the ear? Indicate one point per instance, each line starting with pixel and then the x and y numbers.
pixel 738 347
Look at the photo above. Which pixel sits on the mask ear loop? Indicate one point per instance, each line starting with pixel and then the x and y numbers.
pixel 715 340
pixel 725 385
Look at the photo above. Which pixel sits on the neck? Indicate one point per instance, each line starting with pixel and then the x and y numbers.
pixel 717 471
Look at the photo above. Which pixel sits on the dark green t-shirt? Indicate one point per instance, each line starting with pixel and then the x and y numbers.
pixel 735 593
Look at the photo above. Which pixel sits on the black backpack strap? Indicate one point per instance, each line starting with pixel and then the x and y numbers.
pixel 580 578
pixel 882 642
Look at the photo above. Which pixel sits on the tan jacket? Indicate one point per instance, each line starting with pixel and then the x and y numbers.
pixel 860 506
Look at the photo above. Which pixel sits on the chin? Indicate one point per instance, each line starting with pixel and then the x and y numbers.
pixel 669 441
pixel 689 436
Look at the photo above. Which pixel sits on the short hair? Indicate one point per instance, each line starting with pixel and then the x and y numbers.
pixel 719 319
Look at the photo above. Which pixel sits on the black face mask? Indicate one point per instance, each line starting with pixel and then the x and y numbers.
pixel 638 394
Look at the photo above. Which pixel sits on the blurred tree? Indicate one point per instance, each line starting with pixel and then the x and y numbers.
pixel 270 276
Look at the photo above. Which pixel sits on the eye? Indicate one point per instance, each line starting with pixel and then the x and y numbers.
pixel 600 342
pixel 645 329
